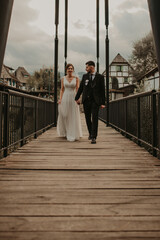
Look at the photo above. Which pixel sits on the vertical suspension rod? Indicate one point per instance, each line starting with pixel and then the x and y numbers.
pixel 56 60
pixel 97 25
pixel 107 59
pixel 66 34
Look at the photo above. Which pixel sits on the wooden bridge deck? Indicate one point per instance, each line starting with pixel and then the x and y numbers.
pixel 52 189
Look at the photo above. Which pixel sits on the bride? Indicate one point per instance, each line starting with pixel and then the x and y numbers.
pixel 69 123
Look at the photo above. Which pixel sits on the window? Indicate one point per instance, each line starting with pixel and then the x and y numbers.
pixel 125 79
pixel 125 68
pixel 13 83
pixel 119 68
pixel 113 68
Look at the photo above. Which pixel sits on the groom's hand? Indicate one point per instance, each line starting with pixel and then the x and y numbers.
pixel 78 102
pixel 103 106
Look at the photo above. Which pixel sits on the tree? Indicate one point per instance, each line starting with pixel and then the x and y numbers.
pixel 31 83
pixel 143 57
pixel 42 79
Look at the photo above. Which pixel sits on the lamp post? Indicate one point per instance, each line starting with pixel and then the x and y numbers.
pixel 56 60
pixel 107 59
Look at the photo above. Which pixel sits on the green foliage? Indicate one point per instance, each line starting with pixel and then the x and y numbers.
pixel 143 57
pixel 42 79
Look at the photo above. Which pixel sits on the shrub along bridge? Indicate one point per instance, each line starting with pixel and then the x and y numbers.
pixel 54 189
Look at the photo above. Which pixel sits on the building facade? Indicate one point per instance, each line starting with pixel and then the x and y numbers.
pixel 22 75
pixel 119 70
pixel 8 78
pixel 119 73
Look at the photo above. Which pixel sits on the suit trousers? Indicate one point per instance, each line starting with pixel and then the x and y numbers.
pixel 91 109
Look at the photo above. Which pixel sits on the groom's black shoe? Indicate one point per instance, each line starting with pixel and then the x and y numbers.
pixel 93 141
pixel 89 138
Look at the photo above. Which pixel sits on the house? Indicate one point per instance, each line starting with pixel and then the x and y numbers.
pixel 120 78
pixel 150 80
pixel 22 75
pixel 8 78
pixel 119 73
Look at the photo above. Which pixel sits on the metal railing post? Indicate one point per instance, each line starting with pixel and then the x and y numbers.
pixel 154 124
pixel 6 125
pixel 36 118
pixel 158 122
pixel 1 120
pixel 125 116
pixel 138 121
pixel 22 121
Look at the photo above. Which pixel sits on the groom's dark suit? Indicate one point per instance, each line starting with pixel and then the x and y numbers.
pixel 93 96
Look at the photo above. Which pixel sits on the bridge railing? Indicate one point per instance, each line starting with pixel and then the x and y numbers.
pixel 137 117
pixel 22 116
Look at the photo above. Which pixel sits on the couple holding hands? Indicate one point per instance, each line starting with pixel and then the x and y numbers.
pixel 92 89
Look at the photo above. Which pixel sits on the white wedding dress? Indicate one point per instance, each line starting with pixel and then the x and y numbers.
pixel 69 122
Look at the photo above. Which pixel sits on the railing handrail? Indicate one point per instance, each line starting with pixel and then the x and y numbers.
pixel 26 95
pixel 137 117
pixel 135 96
pixel 22 116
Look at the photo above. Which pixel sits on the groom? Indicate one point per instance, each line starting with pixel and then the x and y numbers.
pixel 93 89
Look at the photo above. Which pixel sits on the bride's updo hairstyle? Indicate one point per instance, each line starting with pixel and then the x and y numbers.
pixel 69 65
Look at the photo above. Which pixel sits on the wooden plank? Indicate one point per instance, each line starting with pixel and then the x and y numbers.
pixel 54 189
pixel 90 184
pixel 86 210
pixel 63 197
pixel 80 235
pixel 98 224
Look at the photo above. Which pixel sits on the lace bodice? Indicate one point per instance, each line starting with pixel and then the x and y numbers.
pixel 69 85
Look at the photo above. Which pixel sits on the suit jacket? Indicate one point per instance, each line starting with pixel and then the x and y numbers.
pixel 97 86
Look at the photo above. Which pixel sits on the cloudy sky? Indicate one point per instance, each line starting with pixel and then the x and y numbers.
pixel 31 35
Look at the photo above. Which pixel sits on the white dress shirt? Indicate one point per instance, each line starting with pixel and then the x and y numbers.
pixel 93 75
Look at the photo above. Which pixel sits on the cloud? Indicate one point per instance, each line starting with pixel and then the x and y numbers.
pixel 78 24
pixel 27 46
pixel 32 47
pixel 130 4
pixel 129 23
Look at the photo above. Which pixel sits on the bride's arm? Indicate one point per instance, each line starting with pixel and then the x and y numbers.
pixel 61 91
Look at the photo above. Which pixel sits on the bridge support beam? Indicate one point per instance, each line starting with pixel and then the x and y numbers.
pixel 5 16
pixel 154 9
